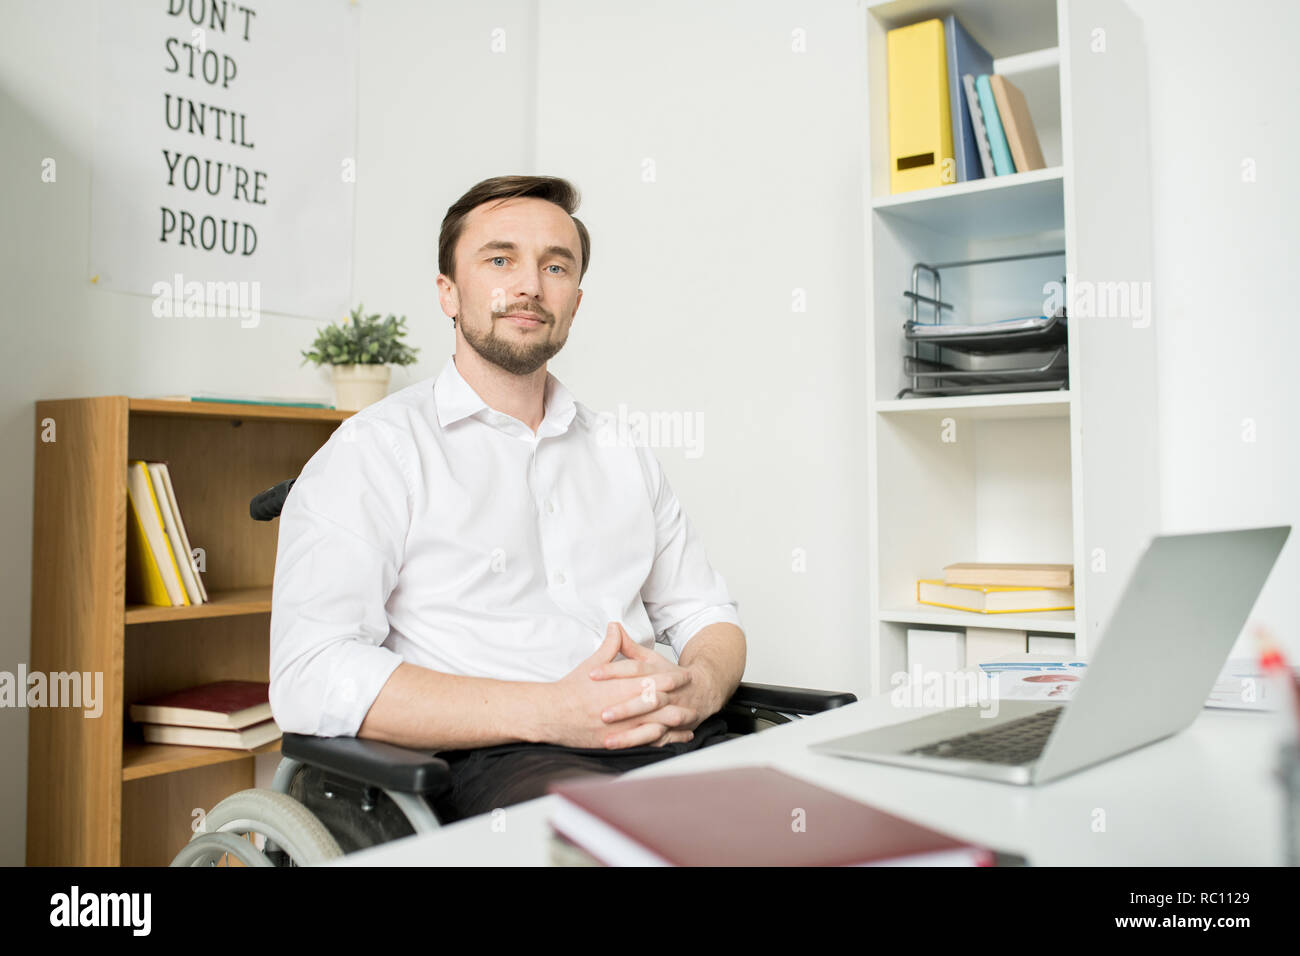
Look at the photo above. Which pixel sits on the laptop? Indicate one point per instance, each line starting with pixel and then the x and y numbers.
pixel 1158 659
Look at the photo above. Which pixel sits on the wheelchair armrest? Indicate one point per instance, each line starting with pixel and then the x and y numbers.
pixel 370 762
pixel 788 700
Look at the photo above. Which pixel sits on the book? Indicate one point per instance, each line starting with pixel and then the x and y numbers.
pixel 175 530
pixel 221 705
pixel 1003 164
pixel 965 56
pixel 977 123
pixel 920 121
pixel 1017 125
pixel 144 580
pixel 249 738
pixel 564 852
pixel 987 599
pixel 153 576
pixel 741 816
pixel 1011 575
pixel 248 400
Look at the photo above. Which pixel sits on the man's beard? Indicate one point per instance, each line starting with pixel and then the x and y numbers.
pixel 515 359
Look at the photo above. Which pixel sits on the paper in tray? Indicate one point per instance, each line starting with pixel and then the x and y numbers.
pixel 1033 332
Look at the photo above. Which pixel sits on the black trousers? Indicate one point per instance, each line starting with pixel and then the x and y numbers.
pixel 486 778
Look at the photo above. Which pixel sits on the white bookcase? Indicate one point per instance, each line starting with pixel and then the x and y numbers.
pixel 1053 476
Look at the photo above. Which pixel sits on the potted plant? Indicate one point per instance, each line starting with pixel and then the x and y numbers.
pixel 359 353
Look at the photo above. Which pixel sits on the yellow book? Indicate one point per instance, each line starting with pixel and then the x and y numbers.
pixel 144 583
pixel 920 124
pixel 153 577
pixel 988 599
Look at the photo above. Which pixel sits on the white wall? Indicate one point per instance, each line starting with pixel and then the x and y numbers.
pixel 1224 88
pixel 688 304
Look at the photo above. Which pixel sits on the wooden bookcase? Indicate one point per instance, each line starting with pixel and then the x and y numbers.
pixel 97 795
pixel 1066 476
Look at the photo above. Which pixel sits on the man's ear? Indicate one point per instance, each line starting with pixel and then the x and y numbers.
pixel 448 297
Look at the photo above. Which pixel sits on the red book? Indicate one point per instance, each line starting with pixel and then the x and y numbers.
pixel 226 705
pixel 742 816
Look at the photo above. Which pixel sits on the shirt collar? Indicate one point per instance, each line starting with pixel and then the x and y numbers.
pixel 456 399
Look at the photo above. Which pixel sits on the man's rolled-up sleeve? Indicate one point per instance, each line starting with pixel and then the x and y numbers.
pixel 683 593
pixel 341 540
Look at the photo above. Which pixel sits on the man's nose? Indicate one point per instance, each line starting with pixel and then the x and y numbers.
pixel 528 281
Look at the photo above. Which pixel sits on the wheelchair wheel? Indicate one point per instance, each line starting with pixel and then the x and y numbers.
pixel 293 829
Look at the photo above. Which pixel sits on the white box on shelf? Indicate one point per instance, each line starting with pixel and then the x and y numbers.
pixel 1051 644
pixel 990 643
pixel 935 652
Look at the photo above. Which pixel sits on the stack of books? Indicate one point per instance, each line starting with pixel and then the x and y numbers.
pixel 990 589
pixel 951 118
pixel 160 569
pixel 235 714
pixel 1005 137
pixel 742 816
pixel 1000 588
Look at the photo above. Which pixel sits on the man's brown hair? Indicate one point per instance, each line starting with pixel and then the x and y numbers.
pixel 551 188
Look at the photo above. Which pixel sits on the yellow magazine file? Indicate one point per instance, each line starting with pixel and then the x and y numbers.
pixel 920 124
pixel 143 573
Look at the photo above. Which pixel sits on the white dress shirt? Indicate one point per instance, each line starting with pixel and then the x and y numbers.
pixel 433 529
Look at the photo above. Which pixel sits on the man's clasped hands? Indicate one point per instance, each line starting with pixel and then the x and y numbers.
pixel 615 704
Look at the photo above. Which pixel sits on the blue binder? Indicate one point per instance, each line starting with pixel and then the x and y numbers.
pixel 964 56
pixel 1003 164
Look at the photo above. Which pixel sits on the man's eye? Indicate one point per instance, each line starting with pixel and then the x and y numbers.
pixel 495 258
pixel 553 266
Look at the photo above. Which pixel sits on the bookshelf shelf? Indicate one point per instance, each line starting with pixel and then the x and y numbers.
pixel 1015 205
pixel 1060 622
pixel 220 604
pixel 1011 405
pixel 229 410
pixel 1066 476
pixel 97 794
pixel 140 759
pixel 1034 61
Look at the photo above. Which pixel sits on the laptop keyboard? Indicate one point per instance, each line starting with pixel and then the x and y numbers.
pixel 1015 742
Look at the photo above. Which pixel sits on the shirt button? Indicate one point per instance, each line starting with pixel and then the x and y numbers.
pixel 551 507
pixel 559 577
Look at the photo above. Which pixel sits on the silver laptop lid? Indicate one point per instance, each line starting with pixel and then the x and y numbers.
pixel 1176 621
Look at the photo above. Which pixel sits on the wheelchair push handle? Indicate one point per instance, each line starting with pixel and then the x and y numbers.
pixel 269 503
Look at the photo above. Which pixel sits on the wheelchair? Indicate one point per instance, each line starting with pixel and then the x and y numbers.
pixel 336 795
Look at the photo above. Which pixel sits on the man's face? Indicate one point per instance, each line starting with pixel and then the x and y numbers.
pixel 516 288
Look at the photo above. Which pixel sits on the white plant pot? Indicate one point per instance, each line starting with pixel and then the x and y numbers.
pixel 356 386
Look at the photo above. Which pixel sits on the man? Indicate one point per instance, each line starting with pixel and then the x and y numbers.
pixel 461 566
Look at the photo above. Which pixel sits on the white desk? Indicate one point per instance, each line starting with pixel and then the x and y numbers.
pixel 1206 796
